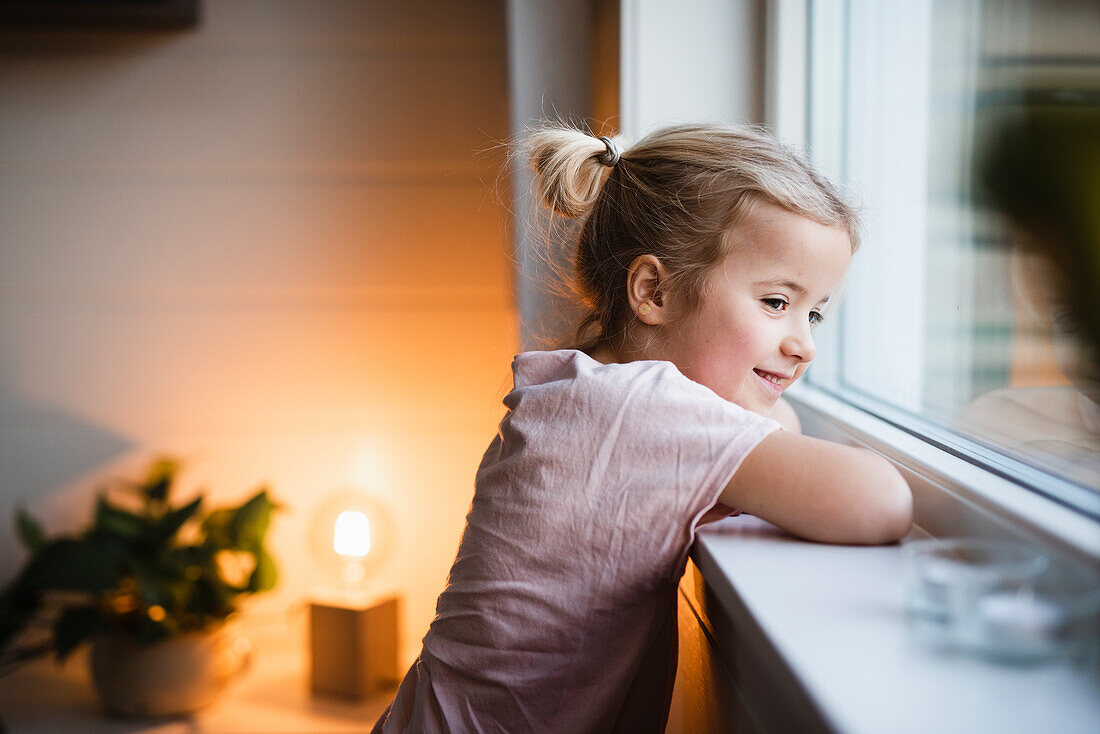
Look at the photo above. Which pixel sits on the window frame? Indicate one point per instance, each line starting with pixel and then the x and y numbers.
pixel 959 486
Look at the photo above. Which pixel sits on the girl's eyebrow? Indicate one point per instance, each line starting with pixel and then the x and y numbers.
pixel 790 284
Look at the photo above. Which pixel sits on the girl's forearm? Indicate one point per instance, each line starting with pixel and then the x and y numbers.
pixel 822 491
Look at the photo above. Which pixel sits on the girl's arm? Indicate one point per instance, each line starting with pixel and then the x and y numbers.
pixel 823 491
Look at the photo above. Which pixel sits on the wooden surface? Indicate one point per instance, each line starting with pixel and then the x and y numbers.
pixel 273 696
pixel 353 648
pixel 705 698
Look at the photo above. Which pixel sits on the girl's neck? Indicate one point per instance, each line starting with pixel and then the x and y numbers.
pixel 622 350
pixel 604 352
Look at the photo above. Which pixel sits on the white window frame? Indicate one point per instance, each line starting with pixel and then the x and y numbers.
pixel 958 489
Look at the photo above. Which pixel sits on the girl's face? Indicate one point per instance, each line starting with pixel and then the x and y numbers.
pixel 750 336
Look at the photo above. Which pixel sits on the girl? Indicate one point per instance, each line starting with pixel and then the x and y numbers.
pixel 707 256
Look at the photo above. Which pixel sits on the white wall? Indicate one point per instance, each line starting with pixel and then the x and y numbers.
pixel 550 78
pixel 271 245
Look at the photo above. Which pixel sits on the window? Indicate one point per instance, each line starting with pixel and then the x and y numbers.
pixel 952 328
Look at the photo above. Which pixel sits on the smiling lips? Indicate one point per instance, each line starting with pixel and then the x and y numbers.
pixel 774 381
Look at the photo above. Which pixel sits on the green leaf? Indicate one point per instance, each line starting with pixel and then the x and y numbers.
pixel 178 593
pixel 75 625
pixel 174 520
pixel 249 523
pixel 183 557
pixel 158 483
pixel 152 584
pixel 114 520
pixel 18 605
pixel 73 565
pixel 216 528
pixel 212 597
pixel 30 532
pixel 265 574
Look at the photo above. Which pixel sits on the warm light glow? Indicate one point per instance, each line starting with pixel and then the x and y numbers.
pixel 351 537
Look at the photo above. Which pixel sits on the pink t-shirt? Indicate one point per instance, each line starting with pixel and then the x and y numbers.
pixel 559 614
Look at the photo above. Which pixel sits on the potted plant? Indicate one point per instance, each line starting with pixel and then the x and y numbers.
pixel 150 585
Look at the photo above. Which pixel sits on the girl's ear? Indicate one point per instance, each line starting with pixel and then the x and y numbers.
pixel 645 290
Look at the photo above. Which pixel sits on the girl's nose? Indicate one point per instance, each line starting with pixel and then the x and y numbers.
pixel 799 343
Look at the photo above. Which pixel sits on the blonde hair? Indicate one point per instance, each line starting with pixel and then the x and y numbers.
pixel 674 195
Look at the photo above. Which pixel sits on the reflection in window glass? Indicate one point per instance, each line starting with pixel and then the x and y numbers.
pixel 955 312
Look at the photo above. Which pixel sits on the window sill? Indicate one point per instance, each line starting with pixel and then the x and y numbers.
pixel 815 638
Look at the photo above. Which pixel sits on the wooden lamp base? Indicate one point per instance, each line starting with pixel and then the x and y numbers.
pixel 353 648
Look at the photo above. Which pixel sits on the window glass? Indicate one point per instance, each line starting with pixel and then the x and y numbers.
pixel 963 127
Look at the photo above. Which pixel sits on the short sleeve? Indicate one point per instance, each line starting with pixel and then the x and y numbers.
pixel 706 440
pixel 655 447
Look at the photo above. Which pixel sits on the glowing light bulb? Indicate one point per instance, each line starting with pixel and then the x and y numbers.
pixel 351 535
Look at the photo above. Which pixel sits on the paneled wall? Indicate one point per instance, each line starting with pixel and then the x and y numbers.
pixel 274 245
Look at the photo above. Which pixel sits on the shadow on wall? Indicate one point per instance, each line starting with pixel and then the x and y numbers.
pixel 43 454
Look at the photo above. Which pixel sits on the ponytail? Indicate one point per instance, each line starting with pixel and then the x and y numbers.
pixel 571 167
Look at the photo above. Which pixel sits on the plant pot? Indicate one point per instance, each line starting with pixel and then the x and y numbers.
pixel 178 675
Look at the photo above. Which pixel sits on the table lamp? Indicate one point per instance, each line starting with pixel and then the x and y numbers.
pixel 352 632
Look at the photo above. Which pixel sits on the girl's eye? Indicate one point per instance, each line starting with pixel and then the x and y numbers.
pixel 816 318
pixel 777 304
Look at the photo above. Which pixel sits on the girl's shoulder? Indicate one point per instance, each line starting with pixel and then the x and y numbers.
pixel 655 386
pixel 546 367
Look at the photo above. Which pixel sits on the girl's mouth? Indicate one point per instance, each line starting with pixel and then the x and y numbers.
pixel 771 380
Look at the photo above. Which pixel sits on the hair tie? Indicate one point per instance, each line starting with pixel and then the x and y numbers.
pixel 613 153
